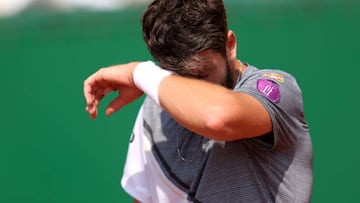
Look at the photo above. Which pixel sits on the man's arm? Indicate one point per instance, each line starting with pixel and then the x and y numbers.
pixel 212 110
pixel 115 78
pixel 205 108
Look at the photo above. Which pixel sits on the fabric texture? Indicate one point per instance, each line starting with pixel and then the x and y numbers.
pixel 276 167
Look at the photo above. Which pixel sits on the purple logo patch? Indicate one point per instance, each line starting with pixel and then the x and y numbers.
pixel 268 89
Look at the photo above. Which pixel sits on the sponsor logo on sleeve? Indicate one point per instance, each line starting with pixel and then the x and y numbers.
pixel 269 89
pixel 274 76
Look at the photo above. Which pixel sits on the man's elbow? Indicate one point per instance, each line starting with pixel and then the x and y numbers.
pixel 219 125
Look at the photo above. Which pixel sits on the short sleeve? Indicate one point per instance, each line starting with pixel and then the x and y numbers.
pixel 280 94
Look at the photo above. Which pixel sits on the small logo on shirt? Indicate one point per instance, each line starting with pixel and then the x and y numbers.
pixel 269 89
pixel 274 76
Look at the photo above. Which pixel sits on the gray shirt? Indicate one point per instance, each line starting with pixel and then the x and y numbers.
pixel 276 167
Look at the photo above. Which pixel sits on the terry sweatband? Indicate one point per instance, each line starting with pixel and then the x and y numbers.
pixel 147 77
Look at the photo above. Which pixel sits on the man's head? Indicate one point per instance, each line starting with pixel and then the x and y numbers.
pixel 183 35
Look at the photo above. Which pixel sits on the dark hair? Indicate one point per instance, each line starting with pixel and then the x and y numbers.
pixel 176 30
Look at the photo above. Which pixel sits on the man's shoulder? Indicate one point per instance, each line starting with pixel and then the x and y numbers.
pixel 269 73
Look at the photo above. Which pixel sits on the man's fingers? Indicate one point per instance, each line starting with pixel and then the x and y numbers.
pixel 89 97
pixel 125 97
pixel 90 86
pixel 100 93
pixel 115 105
pixel 92 110
pixel 104 81
pixel 89 93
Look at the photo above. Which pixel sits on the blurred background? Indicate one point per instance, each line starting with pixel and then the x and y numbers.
pixel 50 151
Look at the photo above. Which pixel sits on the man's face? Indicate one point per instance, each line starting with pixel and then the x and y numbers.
pixel 216 69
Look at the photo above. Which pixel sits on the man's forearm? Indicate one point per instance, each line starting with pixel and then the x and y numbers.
pixel 206 108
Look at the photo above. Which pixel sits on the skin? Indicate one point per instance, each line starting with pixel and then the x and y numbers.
pixel 211 109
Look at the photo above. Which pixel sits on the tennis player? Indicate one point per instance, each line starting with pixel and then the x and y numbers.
pixel 212 128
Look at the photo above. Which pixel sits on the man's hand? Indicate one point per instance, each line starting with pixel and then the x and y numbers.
pixel 115 78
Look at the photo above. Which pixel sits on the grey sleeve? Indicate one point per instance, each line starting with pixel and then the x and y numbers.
pixel 280 94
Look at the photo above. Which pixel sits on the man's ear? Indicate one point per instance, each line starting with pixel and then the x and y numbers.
pixel 231 46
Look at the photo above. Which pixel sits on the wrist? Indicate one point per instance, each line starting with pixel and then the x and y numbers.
pixel 147 77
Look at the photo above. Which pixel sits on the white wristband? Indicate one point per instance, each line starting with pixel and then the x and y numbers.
pixel 147 77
